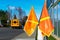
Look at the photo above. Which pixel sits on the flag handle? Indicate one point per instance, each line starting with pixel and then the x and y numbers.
pixel 36 33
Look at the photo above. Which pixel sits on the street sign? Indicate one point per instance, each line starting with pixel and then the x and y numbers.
pixel 14 22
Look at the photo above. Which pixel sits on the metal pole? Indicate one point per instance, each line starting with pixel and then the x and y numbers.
pixel 0 22
pixel 53 13
pixel 57 20
pixel 36 33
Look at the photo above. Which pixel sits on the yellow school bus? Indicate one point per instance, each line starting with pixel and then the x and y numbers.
pixel 15 23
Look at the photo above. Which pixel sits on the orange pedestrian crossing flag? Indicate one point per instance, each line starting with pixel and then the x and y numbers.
pixel 45 24
pixel 31 23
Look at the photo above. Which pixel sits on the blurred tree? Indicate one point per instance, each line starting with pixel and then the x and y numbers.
pixel 8 15
pixel 21 12
pixel 24 20
pixel 3 17
pixel 15 17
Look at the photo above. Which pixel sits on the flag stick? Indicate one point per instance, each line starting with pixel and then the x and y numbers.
pixel 36 33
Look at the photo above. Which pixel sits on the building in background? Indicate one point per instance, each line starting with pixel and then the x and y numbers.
pixel 54 7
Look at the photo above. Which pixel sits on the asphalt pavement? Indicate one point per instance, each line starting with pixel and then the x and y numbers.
pixel 9 33
pixel 24 36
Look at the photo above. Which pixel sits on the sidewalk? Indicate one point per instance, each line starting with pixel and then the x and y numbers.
pixel 57 38
pixel 24 36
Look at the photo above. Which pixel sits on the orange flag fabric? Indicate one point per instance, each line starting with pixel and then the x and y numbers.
pixel 45 24
pixel 31 23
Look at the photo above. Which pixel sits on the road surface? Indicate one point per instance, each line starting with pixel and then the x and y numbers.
pixel 8 33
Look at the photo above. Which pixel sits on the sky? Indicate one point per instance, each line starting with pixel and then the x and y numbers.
pixel 26 5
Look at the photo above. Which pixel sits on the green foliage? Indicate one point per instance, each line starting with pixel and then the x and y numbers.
pixel 51 38
pixel 3 15
pixel 24 20
pixel 15 17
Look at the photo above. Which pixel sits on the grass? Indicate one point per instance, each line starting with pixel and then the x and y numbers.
pixel 51 38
